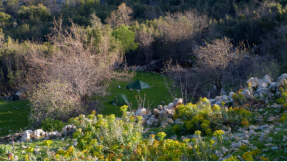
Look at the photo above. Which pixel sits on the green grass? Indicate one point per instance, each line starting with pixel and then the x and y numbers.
pixel 55 146
pixel 153 96
pixel 13 116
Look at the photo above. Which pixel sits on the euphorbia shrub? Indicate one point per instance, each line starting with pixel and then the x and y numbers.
pixel 202 116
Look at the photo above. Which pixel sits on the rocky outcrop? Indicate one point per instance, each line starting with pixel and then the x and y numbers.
pixel 263 89
pixel 160 117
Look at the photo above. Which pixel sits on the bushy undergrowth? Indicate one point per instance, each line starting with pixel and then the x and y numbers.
pixel 202 116
pixel 54 100
pixel 51 125
pixel 107 138
pixel 283 101
pixel 4 149
pixel 107 131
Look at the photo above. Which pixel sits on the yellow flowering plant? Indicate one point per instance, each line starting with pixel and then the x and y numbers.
pixel 202 116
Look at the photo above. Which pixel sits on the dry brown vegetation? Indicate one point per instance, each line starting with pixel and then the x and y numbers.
pixel 214 60
pixel 84 67
pixel 216 64
pixel 120 17
pixel 179 32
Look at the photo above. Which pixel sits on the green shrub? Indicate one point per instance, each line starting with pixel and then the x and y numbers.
pixel 126 37
pixel 107 131
pixel 51 125
pixel 54 100
pixel 4 149
pixel 110 139
pixel 201 116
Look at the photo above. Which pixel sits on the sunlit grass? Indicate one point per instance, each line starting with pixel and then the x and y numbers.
pixel 13 116
pixel 153 96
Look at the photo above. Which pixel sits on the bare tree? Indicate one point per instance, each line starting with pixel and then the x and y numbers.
pixel 120 17
pixel 83 65
pixel 214 60
pixel 145 40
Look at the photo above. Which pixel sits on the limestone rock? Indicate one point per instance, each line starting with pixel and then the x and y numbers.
pixel 177 101
pixel 164 124
pixel 141 112
pixel 280 83
pixel 254 82
pixel 246 142
pixel 218 98
pixel 26 136
pixel 156 112
pixel 262 127
pixel 183 138
pixel 271 118
pixel 212 101
pixel 67 129
pixel 38 133
pixel 267 79
pixel 29 131
pixel 281 77
pixel 169 113
pixel 262 85
pixel 274 148
pixel 36 151
pixel 246 137
pixel 149 123
pixel 169 106
pixel 272 86
pixel 262 91
pixel 170 121
pixel 75 144
pixel 174 137
pixel 236 145
pixel 178 121
pixel 159 107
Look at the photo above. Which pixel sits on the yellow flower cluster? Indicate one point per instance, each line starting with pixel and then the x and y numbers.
pixel 205 124
pixel 30 150
pixel 245 122
pixel 264 159
pixel 243 147
pixel 232 158
pixel 161 135
pixel 283 117
pixel 212 142
pixel 218 133
pixel 247 156
pixel 216 108
pixel 197 132
pixel 208 131
pixel 239 111
pixel 47 143
pixel 124 108
pixel 97 139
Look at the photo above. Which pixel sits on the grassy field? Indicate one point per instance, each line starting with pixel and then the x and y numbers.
pixel 13 116
pixel 153 95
